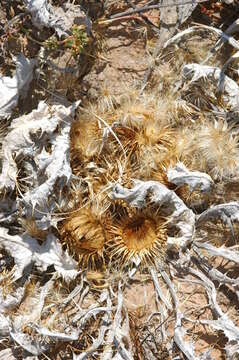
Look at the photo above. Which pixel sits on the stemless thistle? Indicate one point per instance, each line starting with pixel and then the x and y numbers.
pixel 139 234
pixel 85 237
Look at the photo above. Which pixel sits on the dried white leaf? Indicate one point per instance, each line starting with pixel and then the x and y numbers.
pixel 194 29
pixel 77 290
pixel 221 84
pixel 226 212
pixel 213 273
pixel 179 332
pixel 57 335
pixel 20 248
pixel 232 350
pixel 234 27
pixel 223 322
pixel 231 255
pixel 97 342
pixel 36 303
pixel 7 354
pixel 195 72
pixel 55 166
pixel 85 315
pixel 13 87
pixel 11 301
pixel 226 325
pixel 8 212
pixel 120 329
pixel 34 347
pixel 26 250
pixel 28 137
pixel 107 353
pixel 4 326
pixel 180 215
pixel 206 355
pixel 60 19
pixel 216 275
pixel 158 290
pixel 180 175
pixel 184 11
pixel 211 291
pixel 51 253
pixel 179 36
pixel 224 83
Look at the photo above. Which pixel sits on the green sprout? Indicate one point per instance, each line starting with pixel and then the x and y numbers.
pixel 52 43
pixel 78 40
pixel 75 42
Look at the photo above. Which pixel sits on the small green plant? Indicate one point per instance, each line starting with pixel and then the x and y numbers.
pixel 75 42
pixel 52 43
pixel 78 40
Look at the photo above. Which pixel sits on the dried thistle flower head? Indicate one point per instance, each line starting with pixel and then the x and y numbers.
pixel 147 144
pixel 164 77
pixel 217 148
pixel 85 236
pixel 138 233
pixel 86 137
pixel 133 113
pixel 211 147
pixel 106 101
pixel 136 108
pixel 185 146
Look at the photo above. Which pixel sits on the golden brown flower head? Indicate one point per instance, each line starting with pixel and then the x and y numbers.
pixel 86 137
pixel 139 234
pixel 218 146
pixel 85 237
pixel 211 147
pixel 147 145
